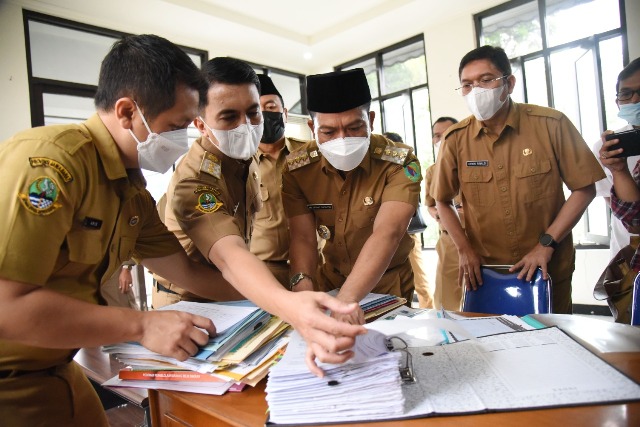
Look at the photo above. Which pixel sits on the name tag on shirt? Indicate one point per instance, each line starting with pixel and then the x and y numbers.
pixel 478 163
pixel 92 223
pixel 319 206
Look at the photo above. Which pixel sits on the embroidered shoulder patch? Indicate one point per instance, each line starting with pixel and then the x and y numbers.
pixel 53 164
pixel 211 165
pixel 42 197
pixel 412 171
pixel 208 203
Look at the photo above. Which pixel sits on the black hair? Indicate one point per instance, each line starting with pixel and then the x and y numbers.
pixel 444 119
pixel 146 68
pixel 366 107
pixel 393 136
pixel 495 54
pixel 628 71
pixel 229 71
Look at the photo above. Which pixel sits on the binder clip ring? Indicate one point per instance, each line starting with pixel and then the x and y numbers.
pixel 405 369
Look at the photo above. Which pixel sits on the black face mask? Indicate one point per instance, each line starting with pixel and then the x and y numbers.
pixel 273 127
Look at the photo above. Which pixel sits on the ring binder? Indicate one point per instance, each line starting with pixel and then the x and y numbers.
pixel 406 371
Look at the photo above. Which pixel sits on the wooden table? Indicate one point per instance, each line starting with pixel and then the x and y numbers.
pixel 617 344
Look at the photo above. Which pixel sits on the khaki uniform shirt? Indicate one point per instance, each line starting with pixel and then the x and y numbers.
pixel 210 196
pixel 345 209
pixel 511 185
pixel 270 238
pixel 72 215
pixel 429 201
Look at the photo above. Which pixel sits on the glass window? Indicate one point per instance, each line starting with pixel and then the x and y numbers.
pixel 593 16
pixel 64 109
pixel 536 82
pixel 369 67
pixel 397 117
pixel 404 67
pixel 289 88
pixel 517 30
pixel 59 53
pixel 611 63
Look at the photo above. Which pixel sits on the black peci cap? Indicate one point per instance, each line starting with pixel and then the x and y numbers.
pixel 266 86
pixel 337 91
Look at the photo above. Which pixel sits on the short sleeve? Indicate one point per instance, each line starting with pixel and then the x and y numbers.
pixel 403 183
pixel 154 240
pixel 446 185
pixel 293 199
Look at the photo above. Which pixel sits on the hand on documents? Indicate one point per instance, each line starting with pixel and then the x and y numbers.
pixel 328 340
pixel 175 333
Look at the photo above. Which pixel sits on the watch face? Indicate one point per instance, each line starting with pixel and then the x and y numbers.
pixel 546 240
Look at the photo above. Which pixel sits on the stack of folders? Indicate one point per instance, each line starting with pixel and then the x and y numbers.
pixel 249 340
pixel 367 387
pixel 375 305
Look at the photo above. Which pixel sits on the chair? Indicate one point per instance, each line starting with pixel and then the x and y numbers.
pixel 503 293
pixel 635 305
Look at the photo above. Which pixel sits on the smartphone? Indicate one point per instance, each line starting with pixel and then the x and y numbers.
pixel 629 142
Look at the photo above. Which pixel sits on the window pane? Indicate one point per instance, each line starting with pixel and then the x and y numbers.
pixel 67 55
pixel 289 88
pixel 62 109
pixel 422 117
pixel 535 75
pixel 369 67
pixel 591 16
pixel 196 59
pixel 518 90
pixel 611 64
pixel 574 88
pixel 397 118
pixel 516 30
pixel 404 68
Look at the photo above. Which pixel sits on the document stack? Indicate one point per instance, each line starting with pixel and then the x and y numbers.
pixel 249 340
pixel 368 387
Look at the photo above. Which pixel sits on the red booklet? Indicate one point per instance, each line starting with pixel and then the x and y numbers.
pixel 160 375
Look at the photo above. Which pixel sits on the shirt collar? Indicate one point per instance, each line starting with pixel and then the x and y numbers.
pixel 106 147
pixel 513 120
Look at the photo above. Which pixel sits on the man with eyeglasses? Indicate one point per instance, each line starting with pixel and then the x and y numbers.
pixel 509 162
pixel 628 100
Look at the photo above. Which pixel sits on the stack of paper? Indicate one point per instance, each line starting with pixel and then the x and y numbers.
pixel 249 340
pixel 375 305
pixel 368 387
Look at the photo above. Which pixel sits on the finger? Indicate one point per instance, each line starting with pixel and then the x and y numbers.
pixel 179 354
pixel 204 323
pixel 199 337
pixel 545 274
pixel 329 356
pixel 523 270
pixel 310 359
pixel 335 305
pixel 516 267
pixel 532 270
pixel 477 273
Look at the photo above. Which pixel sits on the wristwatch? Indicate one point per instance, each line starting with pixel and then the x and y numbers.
pixel 547 241
pixel 296 278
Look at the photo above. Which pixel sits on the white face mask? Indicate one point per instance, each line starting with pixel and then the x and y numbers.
pixel 240 143
pixel 484 103
pixel 345 153
pixel 159 151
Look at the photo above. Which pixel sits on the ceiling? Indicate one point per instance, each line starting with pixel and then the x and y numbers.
pixel 298 35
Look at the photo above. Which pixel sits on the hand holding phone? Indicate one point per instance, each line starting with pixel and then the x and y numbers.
pixel 628 140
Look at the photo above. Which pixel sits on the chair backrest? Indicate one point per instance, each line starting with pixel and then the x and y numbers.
pixel 503 293
pixel 635 305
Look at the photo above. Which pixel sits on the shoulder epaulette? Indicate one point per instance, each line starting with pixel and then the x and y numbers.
pixel 538 110
pixel 456 126
pixel 398 153
pixel 70 140
pixel 211 165
pixel 302 157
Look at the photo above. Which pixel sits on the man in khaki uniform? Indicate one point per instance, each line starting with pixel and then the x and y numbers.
pixel 508 162
pixel 213 196
pixel 270 238
pixel 357 190
pixel 447 293
pixel 75 209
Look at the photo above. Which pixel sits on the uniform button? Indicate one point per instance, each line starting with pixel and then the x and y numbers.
pixel 340 219
pixel 533 169
pixel 343 192
pixel 475 176
pixel 507 212
pixel 503 189
pixel 511 233
pixel 500 166
pixel 515 253
pixel 339 243
pixel 371 219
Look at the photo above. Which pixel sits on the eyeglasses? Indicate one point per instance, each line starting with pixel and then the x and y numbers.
pixel 465 89
pixel 626 95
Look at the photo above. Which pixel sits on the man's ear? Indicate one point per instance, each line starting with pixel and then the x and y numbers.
pixel 200 126
pixel 310 124
pixel 124 110
pixel 285 114
pixel 372 116
pixel 511 83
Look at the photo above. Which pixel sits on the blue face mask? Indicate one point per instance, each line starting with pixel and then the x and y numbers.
pixel 630 113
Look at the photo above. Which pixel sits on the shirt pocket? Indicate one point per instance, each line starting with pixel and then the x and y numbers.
pixel 365 218
pixel 478 186
pixel 84 247
pixel 534 179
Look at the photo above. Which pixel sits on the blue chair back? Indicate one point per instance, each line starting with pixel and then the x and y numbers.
pixel 635 305
pixel 503 293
